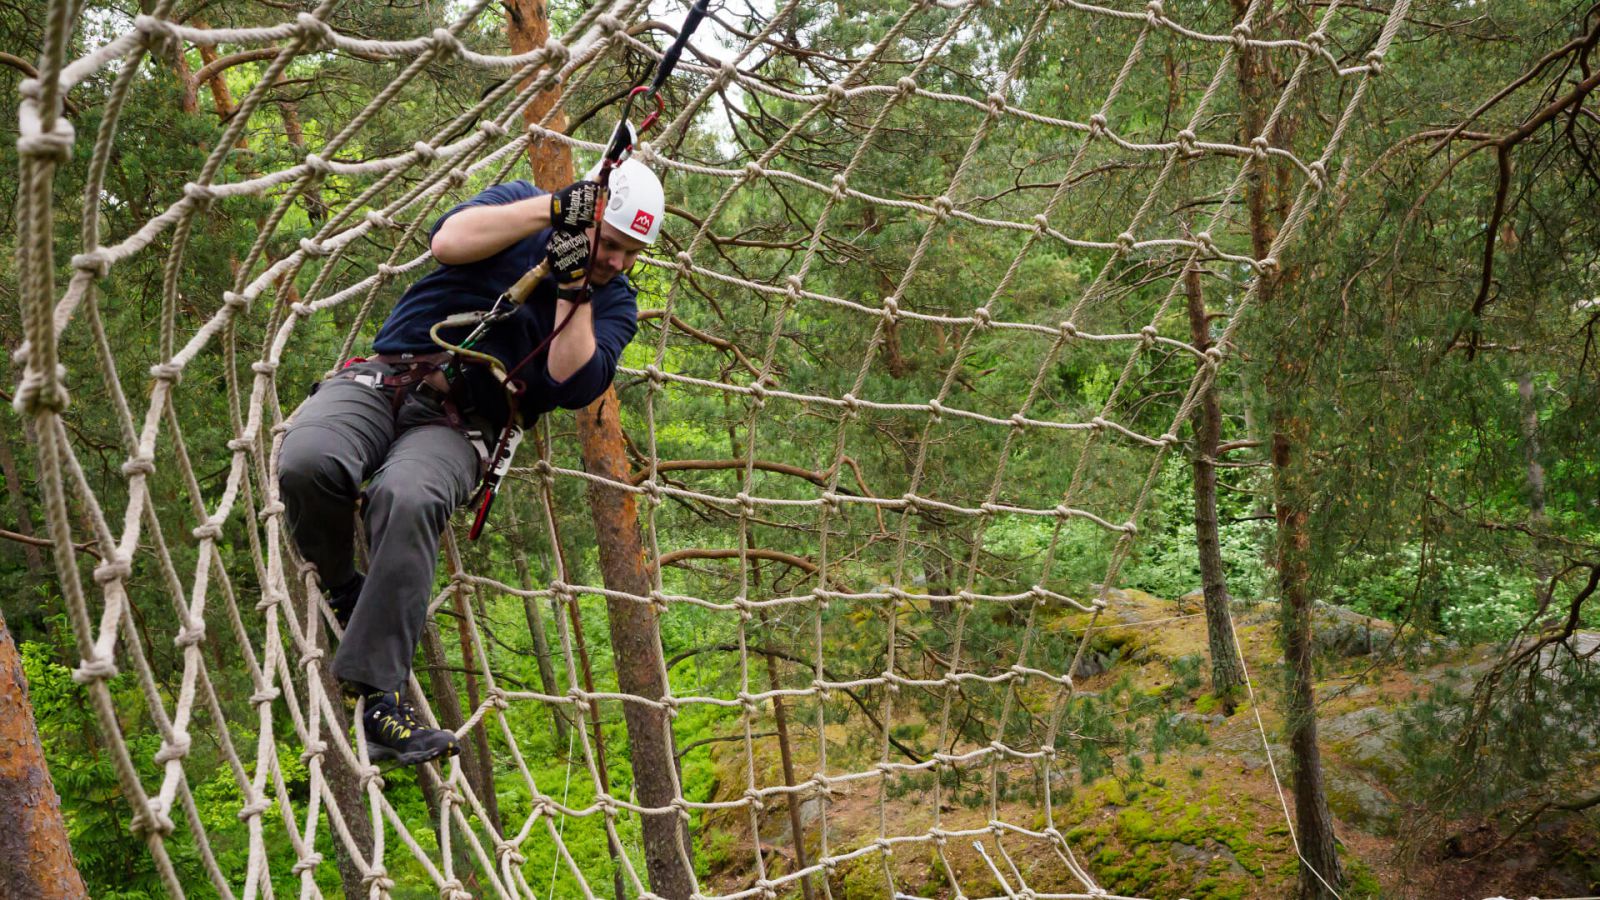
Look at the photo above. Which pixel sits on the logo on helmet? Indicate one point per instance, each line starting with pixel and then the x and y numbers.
pixel 642 222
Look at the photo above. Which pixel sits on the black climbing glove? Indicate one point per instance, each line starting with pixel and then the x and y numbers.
pixel 573 207
pixel 568 255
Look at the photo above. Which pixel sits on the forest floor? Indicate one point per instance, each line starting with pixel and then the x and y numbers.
pixel 1208 819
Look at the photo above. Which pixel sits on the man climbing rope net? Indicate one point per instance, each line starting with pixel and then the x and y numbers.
pixel 410 432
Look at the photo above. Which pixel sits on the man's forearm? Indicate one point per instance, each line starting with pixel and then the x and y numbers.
pixel 479 232
pixel 573 347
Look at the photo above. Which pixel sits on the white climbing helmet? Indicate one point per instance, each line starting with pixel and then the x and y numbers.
pixel 637 201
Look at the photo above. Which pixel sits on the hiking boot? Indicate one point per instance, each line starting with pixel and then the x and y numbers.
pixel 394 733
pixel 343 599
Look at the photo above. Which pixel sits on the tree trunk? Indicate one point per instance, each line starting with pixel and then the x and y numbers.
pixel 781 719
pixel 35 856
pixel 1267 196
pixel 447 705
pixel 1227 675
pixel 636 648
pixel 1313 820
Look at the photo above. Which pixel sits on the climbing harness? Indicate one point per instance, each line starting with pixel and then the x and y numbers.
pixel 618 150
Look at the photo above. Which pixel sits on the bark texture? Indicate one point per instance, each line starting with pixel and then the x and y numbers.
pixel 35 856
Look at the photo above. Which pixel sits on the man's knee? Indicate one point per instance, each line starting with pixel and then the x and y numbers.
pixel 399 500
pixel 306 469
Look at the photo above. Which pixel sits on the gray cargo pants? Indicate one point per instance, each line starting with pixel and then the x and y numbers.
pixel 416 470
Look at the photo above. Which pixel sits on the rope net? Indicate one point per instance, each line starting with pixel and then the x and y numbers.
pixel 821 327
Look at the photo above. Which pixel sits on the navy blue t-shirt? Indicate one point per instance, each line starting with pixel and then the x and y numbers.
pixel 474 286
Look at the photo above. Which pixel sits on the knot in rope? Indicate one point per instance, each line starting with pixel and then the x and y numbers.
pixel 1268 266
pixel 556 52
pixel 609 24
pixel 884 846
pixel 139 465
pixel 254 808
pixel 425 150
pixel 1125 242
pixel 446 42
pixel 753 796
pixel 1097 124
pixel 237 302
pixel 453 890
pixel 891 309
pixel 727 74
pixel 840 186
pixel 935 410
pixel 307 863
pixel 170 372
pixel 682 806
pixel 37 394
pixel 836 94
pixel 274 508
pixel 378 220
pixel 95 668
pixel 997 103
pixel 1153 12
pixel 190 635
pixel 1374 62
pixel 316 35
pixel 1259 145
pixel 371 777
pixel 377 877
pixel 310 248
pixel 97 261
pixel 318 165
pixel 906 85
pixel 260 367
pixel 1147 335
pixel 269 600
pixel 55 144
pixel 210 530
pixel 942 205
pixel 313 750
pixel 152 27
pixel 1316 40
pixel 1319 173
pixel 982 318
pixel 1186 139
pixel 269 694
pixel 314 655
pixel 301 310
pixel 175 747
pixel 1068 330
pixel 506 851
pixel 114 569
pixel 152 820
pixel 197 192
pixel 1241 36
pixel 830 501
pixel 497 698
